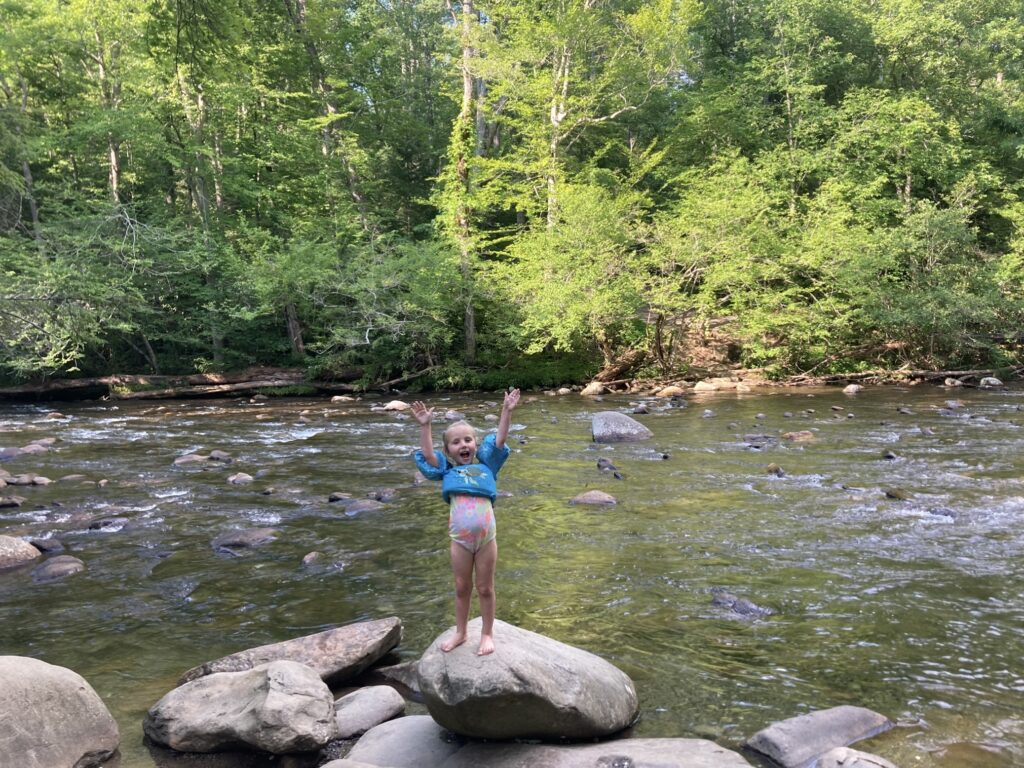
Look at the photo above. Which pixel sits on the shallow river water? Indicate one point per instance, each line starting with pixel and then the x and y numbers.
pixel 912 607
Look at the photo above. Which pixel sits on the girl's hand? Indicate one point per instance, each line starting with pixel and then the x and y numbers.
pixel 422 414
pixel 511 400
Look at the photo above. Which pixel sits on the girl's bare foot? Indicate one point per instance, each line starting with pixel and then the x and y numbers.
pixel 454 642
pixel 486 645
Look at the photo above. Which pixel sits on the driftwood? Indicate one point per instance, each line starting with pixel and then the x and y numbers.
pixel 900 374
pixel 142 387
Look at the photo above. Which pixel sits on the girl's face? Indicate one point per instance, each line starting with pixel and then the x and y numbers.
pixel 460 444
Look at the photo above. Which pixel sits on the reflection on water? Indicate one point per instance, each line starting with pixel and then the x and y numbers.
pixel 910 607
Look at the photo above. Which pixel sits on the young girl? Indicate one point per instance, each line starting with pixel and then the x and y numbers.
pixel 467 473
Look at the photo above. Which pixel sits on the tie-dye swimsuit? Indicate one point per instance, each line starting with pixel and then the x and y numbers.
pixel 470 490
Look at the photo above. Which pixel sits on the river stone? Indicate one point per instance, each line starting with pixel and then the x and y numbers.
pixel 279 707
pixel 531 687
pixel 615 427
pixel 404 674
pixel 650 753
pixel 798 436
pixel 989 381
pixel 844 757
pixel 250 537
pixel 594 497
pixel 593 388
pixel 361 710
pixel 336 654
pixel 852 389
pixel 670 391
pixel 190 458
pixel 240 478
pixel 397 405
pixel 50 716
pixel 57 567
pixel 408 742
pixel 15 551
pixel 8 502
pixel 798 740
pixel 33 448
pixel 6 454
pixel 705 386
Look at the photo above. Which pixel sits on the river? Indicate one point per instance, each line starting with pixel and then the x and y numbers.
pixel 912 607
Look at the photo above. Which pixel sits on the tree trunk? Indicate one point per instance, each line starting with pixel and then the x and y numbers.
pixel 294 330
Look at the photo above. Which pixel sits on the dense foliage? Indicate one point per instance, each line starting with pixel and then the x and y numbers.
pixel 512 190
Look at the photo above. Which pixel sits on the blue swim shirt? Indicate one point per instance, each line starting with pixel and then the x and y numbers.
pixel 471 479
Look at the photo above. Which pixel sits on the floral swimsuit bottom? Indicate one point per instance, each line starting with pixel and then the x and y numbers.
pixel 471 521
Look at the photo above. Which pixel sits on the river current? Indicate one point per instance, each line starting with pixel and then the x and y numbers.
pixel 912 606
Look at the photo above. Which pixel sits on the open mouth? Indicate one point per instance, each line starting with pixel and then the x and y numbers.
pixel 465 456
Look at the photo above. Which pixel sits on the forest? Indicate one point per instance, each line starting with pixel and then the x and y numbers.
pixel 509 191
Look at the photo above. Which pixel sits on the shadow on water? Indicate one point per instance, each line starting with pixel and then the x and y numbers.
pixel 912 607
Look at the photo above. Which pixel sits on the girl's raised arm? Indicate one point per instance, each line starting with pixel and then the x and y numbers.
pixel 511 401
pixel 425 416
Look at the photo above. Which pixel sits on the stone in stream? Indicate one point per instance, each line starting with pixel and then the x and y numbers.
pixel 240 478
pixel 739 605
pixel 245 539
pixel 844 757
pixel 280 707
pixel 531 687
pixel 9 502
pixel 191 458
pixel 627 753
pixel 50 716
pixel 408 742
pixel 361 710
pixel 615 427
pixel 58 567
pixel 594 498
pixel 336 654
pixel 799 740
pixel 14 551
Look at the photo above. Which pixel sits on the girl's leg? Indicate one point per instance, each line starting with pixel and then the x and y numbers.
pixel 462 570
pixel 486 563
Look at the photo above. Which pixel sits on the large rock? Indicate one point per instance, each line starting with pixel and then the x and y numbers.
pixel 615 427
pixel 800 739
pixel 361 710
pixel 58 567
pixel 14 551
pixel 408 742
pixel 336 654
pixel 531 687
pixel 50 716
pixel 656 753
pixel 844 757
pixel 279 707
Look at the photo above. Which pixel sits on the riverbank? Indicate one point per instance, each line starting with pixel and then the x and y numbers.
pixel 295 382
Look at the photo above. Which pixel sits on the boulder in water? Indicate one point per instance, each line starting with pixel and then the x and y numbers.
pixel 361 710
pixel 649 753
pixel 14 551
pixel 50 716
pixel 336 654
pixel 615 427
pixel 58 567
pixel 279 707
pixel 799 740
pixel 531 687
pixel 408 742
pixel 599 498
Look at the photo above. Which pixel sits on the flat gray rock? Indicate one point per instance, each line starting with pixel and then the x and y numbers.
pixel 634 753
pixel 408 742
pixel 531 687
pixel 361 710
pixel 280 707
pixel 56 568
pixel 844 757
pixel 336 655
pixel 798 740
pixel 50 716
pixel 615 427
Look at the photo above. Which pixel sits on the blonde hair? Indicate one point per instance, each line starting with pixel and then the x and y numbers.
pixel 450 427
